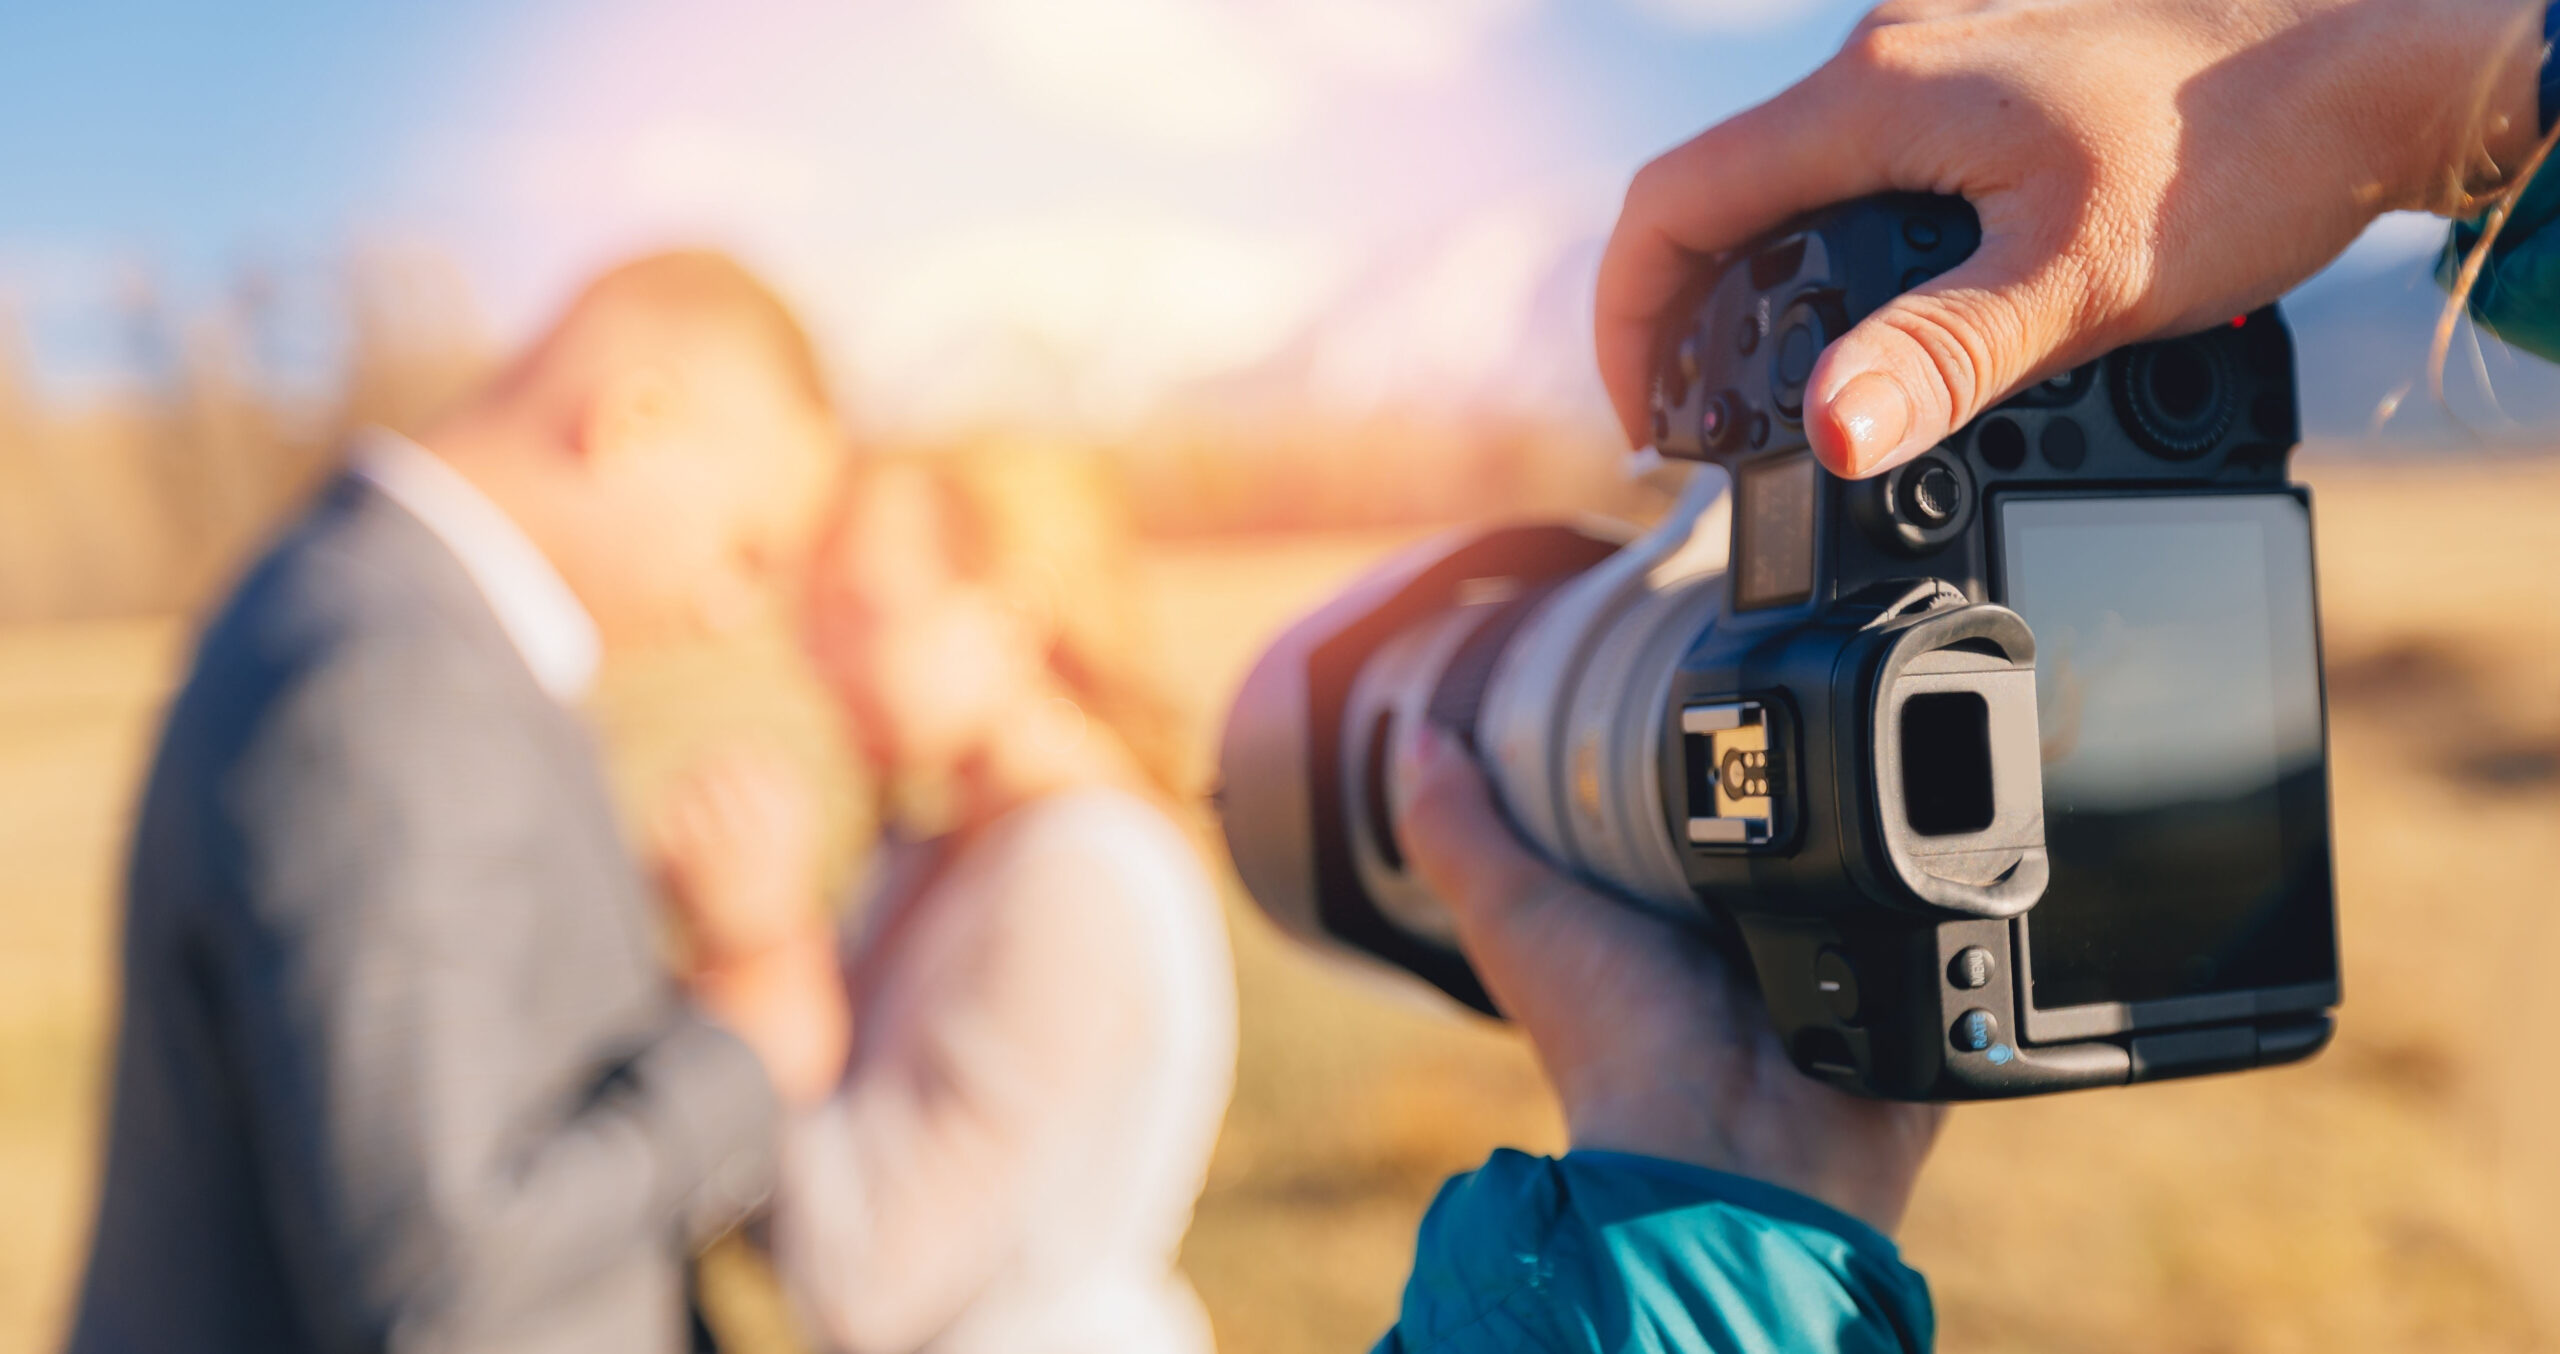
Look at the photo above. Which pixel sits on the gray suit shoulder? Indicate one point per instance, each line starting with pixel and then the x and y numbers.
pixel 356 646
pixel 354 615
pixel 356 582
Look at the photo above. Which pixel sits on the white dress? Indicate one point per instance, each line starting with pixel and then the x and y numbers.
pixel 1044 1046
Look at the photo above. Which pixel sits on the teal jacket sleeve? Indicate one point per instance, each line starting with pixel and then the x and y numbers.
pixel 2518 295
pixel 1604 1251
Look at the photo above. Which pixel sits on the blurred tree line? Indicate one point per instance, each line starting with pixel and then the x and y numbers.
pixel 147 497
pixel 1218 471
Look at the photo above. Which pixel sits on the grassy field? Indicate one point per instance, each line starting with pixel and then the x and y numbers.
pixel 2396 1194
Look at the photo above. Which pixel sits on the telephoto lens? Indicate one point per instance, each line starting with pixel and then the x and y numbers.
pixel 2005 770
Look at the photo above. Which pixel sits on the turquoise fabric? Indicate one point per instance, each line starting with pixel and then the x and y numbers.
pixel 2518 296
pixel 1606 1251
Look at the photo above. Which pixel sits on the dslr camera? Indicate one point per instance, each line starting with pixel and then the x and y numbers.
pixel 2006 769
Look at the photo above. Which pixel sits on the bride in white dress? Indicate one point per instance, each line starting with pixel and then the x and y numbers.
pixel 1017 1060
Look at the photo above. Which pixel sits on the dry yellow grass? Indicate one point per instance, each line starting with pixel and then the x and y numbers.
pixel 2392 1195
pixel 74 704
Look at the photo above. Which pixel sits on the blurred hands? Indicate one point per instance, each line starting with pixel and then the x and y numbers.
pixel 2141 168
pixel 736 843
pixel 737 848
pixel 1653 1044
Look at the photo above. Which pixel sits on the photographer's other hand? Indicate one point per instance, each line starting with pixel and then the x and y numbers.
pixel 736 843
pixel 2141 168
pixel 1653 1043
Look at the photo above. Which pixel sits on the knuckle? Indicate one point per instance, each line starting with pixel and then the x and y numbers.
pixel 1914 11
pixel 1882 45
pixel 1893 12
pixel 1958 355
pixel 1649 186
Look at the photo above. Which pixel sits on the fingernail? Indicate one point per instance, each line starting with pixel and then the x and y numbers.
pixel 1873 415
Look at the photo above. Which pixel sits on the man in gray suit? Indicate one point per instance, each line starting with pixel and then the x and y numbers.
pixel 398 1067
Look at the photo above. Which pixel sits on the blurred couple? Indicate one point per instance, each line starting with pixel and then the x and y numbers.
pixel 401 1064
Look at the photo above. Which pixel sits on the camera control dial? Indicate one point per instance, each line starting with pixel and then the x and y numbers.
pixel 1802 331
pixel 1917 507
pixel 2177 397
pixel 1933 496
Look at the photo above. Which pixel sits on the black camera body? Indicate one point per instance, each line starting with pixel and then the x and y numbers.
pixel 2007 768
pixel 2008 765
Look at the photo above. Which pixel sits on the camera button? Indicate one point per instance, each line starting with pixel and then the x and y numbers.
pixel 1797 348
pixel 1721 420
pixel 1971 968
pixel 2065 447
pixel 2001 443
pixel 1975 1031
pixel 1802 331
pixel 1932 495
pixel 1838 984
pixel 2179 397
pixel 1747 336
pixel 1920 233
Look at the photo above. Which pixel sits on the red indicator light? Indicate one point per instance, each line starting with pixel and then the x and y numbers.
pixel 2238 320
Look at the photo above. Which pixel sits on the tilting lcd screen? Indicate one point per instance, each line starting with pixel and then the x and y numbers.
pixel 2177 689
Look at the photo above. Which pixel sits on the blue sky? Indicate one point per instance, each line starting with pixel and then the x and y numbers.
pixel 921 176
pixel 1065 210
pixel 191 130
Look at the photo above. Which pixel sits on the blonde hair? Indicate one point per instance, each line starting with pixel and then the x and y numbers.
pixel 2492 206
pixel 1046 526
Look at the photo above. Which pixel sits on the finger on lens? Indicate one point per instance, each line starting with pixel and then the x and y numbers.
pixel 1450 830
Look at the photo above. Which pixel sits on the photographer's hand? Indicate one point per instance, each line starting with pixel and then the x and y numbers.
pixel 1653 1044
pixel 2141 167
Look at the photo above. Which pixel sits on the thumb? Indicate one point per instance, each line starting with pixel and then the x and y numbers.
pixel 1925 363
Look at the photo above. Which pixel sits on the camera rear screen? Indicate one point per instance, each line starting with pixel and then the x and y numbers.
pixel 2178 698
